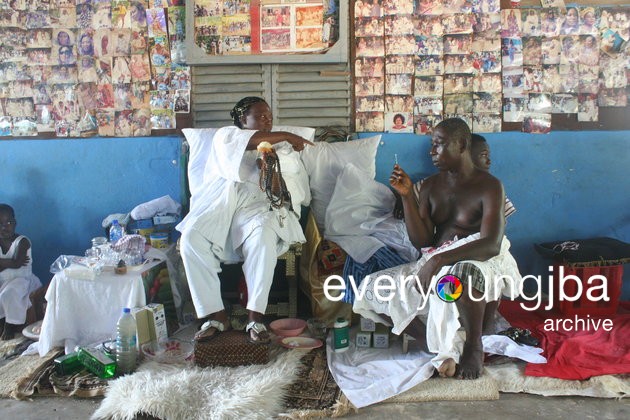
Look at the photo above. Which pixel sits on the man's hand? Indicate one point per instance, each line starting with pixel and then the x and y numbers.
pixel 426 273
pixel 400 181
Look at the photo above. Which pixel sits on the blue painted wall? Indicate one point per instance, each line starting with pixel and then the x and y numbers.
pixel 61 190
pixel 565 185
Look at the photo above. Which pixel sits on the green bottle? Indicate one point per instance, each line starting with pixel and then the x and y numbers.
pixel 97 362
pixel 68 364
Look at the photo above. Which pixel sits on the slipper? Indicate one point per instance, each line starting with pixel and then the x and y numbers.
pixel 210 329
pixel 260 336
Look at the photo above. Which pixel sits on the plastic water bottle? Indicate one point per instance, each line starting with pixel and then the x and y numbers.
pixel 116 231
pixel 341 335
pixel 126 351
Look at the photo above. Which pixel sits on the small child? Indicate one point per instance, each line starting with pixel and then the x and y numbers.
pixel 480 152
pixel 17 280
pixel 481 158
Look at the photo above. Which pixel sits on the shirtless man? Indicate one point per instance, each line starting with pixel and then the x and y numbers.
pixel 457 202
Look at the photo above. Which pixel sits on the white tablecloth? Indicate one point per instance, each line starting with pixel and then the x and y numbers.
pixel 80 312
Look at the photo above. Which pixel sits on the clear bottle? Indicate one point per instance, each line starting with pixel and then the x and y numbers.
pixel 116 231
pixel 126 350
pixel 341 335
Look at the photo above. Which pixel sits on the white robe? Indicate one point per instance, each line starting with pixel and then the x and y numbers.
pixel 15 286
pixel 444 335
pixel 228 208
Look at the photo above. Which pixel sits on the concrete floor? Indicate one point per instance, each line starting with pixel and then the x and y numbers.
pixel 509 406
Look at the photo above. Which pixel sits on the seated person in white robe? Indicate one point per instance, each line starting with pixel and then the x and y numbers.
pixel 459 225
pixel 17 280
pixel 231 219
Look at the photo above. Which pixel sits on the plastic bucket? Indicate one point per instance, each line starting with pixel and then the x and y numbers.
pixel 159 240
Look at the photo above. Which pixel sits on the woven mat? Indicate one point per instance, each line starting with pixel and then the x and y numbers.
pixel 28 376
pixel 314 393
pixel 13 347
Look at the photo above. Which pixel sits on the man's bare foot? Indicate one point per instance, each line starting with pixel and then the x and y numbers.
pixel 471 361
pixel 447 368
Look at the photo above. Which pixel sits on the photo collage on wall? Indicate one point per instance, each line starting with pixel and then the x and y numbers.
pixel 80 68
pixel 245 27
pixel 417 62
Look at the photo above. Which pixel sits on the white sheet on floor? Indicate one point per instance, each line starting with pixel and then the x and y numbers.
pixel 368 376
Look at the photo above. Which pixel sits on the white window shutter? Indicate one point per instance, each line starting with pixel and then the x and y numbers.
pixel 313 95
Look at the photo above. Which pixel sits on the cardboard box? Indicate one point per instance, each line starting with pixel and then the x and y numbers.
pixel 367 325
pixel 150 323
pixel 381 337
pixel 165 219
pixel 364 339
pixel 157 322
pixel 143 331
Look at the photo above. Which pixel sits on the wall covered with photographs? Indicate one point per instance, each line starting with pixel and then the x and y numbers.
pixel 80 68
pixel 252 29
pixel 417 62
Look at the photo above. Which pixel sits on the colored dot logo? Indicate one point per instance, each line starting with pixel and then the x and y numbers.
pixel 449 288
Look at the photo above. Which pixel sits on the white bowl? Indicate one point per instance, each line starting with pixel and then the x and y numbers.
pixel 169 351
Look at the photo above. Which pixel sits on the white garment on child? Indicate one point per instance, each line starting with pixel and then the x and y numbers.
pixel 15 286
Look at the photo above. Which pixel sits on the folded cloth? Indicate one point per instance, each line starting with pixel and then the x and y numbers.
pixel 123 219
pixel 444 337
pixel 162 205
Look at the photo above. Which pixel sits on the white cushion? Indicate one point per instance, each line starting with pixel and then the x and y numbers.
pixel 199 141
pixel 325 161
pixel 305 132
pixel 360 220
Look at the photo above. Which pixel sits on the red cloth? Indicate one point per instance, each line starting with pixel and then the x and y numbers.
pixel 575 354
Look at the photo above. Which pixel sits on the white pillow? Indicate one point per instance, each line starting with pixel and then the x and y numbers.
pixel 305 132
pixel 199 141
pixel 360 220
pixel 325 161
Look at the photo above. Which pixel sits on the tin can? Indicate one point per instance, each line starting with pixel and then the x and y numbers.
pixel 341 335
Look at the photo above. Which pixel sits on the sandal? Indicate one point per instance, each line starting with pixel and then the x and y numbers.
pixel 260 334
pixel 521 336
pixel 210 329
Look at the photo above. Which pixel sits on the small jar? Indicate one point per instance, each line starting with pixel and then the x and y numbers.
pixel 98 241
pixel 341 335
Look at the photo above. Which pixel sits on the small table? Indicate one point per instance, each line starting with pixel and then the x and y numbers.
pixel 82 312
